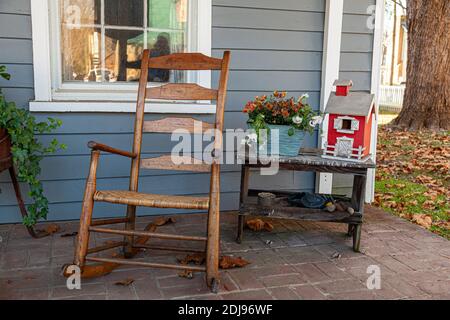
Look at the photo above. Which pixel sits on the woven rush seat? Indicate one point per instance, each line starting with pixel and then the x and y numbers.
pixel 152 200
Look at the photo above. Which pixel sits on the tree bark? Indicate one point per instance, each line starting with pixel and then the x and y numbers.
pixel 427 97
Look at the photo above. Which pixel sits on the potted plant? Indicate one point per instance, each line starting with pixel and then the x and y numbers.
pixel 18 141
pixel 292 117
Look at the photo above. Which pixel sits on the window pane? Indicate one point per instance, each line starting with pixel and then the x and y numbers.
pixel 112 51
pixel 81 11
pixel 124 13
pixel 167 14
pixel 161 44
pixel 81 54
pixel 123 54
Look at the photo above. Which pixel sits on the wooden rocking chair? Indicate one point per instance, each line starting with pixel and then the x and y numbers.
pixel 132 198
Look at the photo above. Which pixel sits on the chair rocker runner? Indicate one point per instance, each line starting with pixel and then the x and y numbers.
pixel 132 197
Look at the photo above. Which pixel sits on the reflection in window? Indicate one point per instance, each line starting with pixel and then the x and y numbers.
pixel 103 41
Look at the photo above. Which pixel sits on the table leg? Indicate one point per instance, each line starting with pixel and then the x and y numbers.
pixel 350 230
pixel 357 237
pixel 245 175
pixel 358 200
pixel 241 221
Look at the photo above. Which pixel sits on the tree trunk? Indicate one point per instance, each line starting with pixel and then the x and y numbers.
pixel 394 41
pixel 427 97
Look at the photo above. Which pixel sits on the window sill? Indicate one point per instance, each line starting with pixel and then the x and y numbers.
pixel 121 107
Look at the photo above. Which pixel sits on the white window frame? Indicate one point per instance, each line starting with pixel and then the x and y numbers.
pixel 52 96
pixel 342 118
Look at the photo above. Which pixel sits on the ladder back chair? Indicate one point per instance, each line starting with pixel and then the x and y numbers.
pixel 132 197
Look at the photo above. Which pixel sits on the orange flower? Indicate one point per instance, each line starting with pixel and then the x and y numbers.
pixel 249 107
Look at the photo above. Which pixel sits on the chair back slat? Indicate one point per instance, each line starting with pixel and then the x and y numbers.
pixel 181 91
pixel 169 125
pixel 185 61
pixel 175 163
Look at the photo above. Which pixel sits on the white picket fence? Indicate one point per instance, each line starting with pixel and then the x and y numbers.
pixel 391 98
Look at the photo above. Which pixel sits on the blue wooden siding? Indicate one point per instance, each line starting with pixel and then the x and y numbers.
pixel 275 45
pixel 356 61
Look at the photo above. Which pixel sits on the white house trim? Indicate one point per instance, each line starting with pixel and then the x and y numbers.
pixel 51 96
pixel 41 50
pixel 121 106
pixel 375 89
pixel 330 72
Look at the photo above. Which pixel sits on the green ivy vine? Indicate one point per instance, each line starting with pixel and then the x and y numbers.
pixel 28 151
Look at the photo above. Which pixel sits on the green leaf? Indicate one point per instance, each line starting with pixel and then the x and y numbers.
pixel 291 132
pixel 28 151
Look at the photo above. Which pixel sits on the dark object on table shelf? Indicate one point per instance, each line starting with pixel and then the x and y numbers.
pixel 309 200
pixel 266 199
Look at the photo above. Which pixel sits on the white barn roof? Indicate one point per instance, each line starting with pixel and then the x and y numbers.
pixel 345 83
pixel 355 104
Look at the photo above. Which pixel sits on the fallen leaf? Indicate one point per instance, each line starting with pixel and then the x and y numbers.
pixel 227 262
pixel 102 269
pixel 259 225
pixel 268 226
pixel 52 228
pixel 429 205
pixel 125 282
pixel 163 221
pixel 68 235
pixel 255 224
pixel 188 274
pixel 423 220
pixel 196 258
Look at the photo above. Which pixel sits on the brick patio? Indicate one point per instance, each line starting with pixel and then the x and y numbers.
pixel 299 262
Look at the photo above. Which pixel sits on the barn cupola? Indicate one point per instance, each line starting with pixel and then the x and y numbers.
pixel 343 87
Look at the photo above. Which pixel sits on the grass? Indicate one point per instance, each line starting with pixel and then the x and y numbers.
pixel 413 180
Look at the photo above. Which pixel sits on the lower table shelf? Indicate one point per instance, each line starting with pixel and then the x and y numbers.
pixel 282 210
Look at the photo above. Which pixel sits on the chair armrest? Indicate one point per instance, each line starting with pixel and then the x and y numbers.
pixel 102 147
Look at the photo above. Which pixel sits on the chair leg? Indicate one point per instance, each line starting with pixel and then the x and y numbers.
pixel 213 249
pixel 130 225
pixel 86 214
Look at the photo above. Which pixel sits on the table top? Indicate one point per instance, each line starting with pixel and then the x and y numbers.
pixel 309 160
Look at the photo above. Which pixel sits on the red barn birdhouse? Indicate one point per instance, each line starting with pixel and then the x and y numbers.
pixel 351 116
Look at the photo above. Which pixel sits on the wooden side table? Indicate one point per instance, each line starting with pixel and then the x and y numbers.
pixel 281 210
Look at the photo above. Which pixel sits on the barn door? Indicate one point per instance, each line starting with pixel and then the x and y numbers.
pixel 344 147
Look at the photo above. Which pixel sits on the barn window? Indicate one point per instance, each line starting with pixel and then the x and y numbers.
pixel 346 124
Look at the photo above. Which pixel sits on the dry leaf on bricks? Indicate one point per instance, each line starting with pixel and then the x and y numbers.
pixel 125 282
pixel 259 225
pixel 227 262
pixel 52 228
pixel 188 274
pixel 197 258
